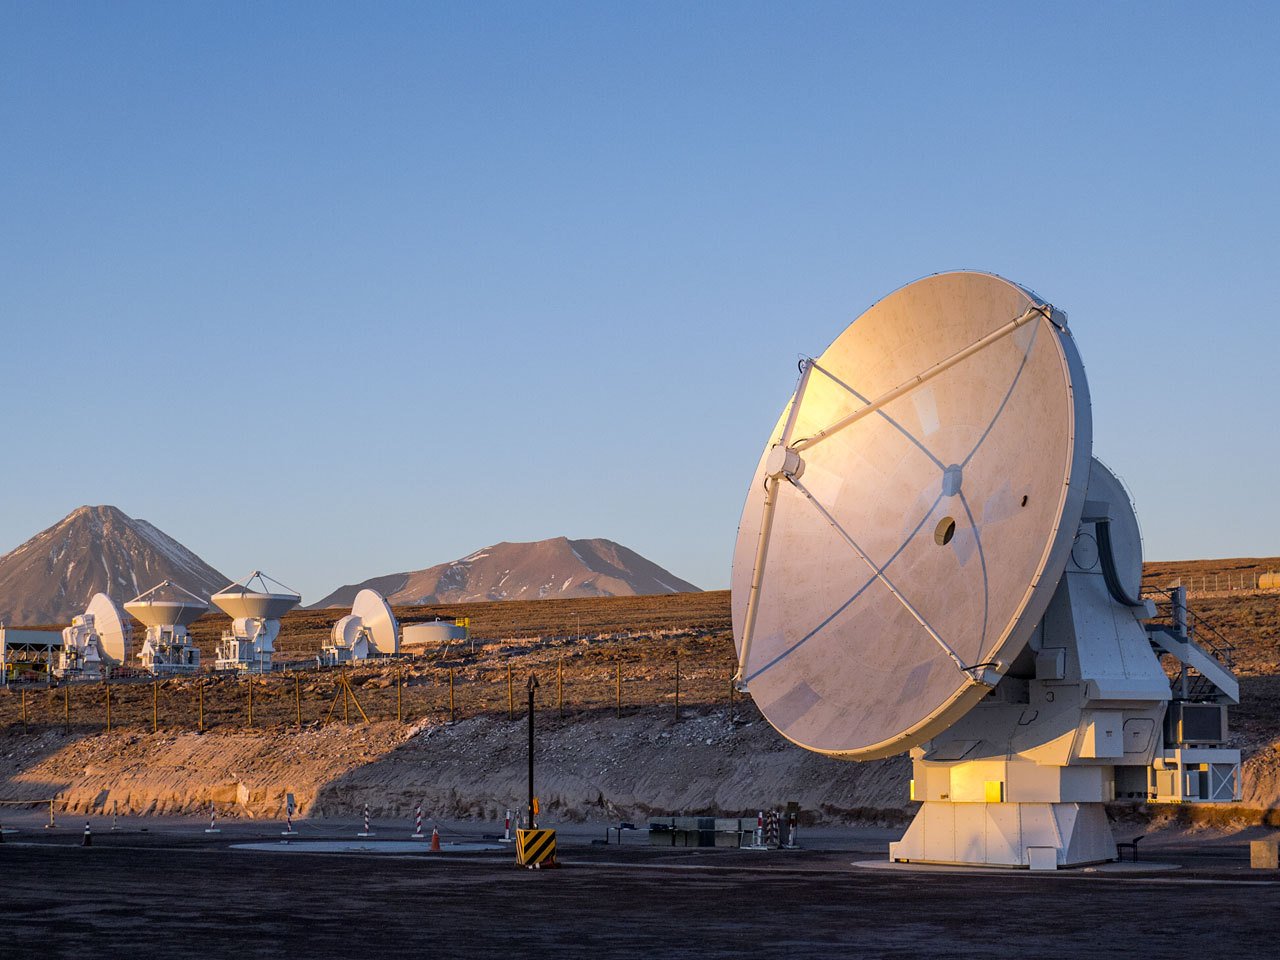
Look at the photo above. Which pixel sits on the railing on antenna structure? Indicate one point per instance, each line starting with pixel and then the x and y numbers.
pixel 1199 630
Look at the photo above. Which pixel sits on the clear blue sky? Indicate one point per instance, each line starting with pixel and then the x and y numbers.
pixel 336 290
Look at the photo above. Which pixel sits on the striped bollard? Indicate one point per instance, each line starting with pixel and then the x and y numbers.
pixel 367 832
pixel 417 824
pixel 213 820
pixel 506 834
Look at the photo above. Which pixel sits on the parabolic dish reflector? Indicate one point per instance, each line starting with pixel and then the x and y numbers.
pixel 241 600
pixel 109 625
pixel 167 604
pixel 375 613
pixel 926 483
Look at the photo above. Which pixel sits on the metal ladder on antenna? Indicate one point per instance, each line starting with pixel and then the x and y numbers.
pixel 1206 656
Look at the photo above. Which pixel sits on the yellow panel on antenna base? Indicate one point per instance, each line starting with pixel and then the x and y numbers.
pixel 913 790
pixel 994 791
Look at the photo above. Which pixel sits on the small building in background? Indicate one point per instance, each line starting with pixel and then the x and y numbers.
pixel 434 633
pixel 24 650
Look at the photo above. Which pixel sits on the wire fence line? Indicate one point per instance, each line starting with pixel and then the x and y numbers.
pixel 1229 582
pixel 403 693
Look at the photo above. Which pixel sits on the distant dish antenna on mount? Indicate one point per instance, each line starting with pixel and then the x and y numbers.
pixel 96 641
pixel 370 630
pixel 376 616
pixel 924 500
pixel 256 603
pixel 166 610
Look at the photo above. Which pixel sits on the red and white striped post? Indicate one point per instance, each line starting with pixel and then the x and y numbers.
pixel 506 833
pixel 213 820
pixel 366 832
pixel 417 824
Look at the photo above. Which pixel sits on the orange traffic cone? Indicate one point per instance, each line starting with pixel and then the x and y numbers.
pixel 435 839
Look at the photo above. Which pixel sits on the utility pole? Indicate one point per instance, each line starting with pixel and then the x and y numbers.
pixel 533 685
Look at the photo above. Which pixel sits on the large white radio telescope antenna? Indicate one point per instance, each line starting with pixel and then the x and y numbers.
pixel 375 614
pixel 369 630
pixel 911 515
pixel 96 640
pixel 166 610
pixel 255 604
pixel 930 559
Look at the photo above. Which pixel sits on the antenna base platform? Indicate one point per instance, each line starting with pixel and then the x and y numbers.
pixel 1037 836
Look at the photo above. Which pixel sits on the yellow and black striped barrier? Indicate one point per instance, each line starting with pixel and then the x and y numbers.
pixel 536 848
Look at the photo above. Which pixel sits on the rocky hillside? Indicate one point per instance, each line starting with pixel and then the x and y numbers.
pixel 544 569
pixel 51 577
pixel 594 768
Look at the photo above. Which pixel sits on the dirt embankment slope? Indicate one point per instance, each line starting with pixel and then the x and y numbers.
pixel 592 767
pixel 589 767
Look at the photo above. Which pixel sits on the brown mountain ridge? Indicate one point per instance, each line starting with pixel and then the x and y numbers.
pixel 542 569
pixel 51 577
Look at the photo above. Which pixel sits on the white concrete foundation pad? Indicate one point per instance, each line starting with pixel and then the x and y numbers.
pixel 359 846
pixel 1125 868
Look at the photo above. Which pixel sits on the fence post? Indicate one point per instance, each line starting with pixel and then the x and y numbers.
pixel 677 688
pixel 356 700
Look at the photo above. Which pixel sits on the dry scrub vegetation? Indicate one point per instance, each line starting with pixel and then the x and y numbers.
pixel 584 652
